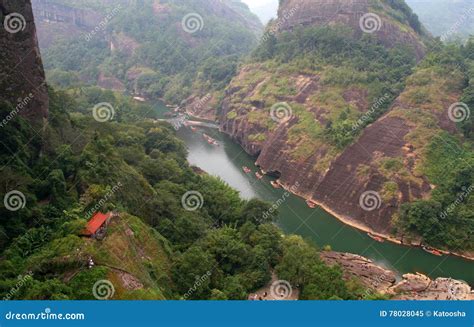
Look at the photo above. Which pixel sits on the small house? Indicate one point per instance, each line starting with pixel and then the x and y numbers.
pixel 97 225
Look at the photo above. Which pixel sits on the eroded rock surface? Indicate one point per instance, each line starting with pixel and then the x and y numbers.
pixel 371 275
pixel 410 287
pixel 293 13
pixel 22 79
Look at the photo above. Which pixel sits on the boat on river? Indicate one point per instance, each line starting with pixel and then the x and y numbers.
pixel 432 251
pixel 210 140
pixel 275 184
pixel 325 224
pixel 170 115
pixel 376 238
pixel 311 204
pixel 139 99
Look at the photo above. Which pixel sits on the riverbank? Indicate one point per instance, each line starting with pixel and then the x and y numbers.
pixel 226 162
pixel 412 286
pixel 376 280
pixel 198 117
pixel 350 222
pixel 364 228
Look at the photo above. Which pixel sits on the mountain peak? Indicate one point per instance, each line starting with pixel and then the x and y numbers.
pixel 392 22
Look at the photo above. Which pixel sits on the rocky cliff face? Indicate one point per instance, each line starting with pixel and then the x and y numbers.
pixel 22 80
pixel 383 165
pixel 365 182
pixel 371 15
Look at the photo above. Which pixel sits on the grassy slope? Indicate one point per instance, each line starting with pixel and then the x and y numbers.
pixel 130 247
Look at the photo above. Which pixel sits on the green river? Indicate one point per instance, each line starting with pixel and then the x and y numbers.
pixel 295 217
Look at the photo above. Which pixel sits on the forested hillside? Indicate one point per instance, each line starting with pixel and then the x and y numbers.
pixel 141 170
pixel 166 48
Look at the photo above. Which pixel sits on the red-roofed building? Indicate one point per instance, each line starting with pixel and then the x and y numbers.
pixel 96 226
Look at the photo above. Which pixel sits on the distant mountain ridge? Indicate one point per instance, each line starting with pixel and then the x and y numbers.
pixel 161 59
pixel 447 19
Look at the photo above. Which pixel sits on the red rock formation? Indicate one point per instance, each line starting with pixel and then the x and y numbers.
pixel 293 13
pixel 332 177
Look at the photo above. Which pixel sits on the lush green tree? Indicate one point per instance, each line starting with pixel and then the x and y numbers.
pixel 258 212
pixel 193 271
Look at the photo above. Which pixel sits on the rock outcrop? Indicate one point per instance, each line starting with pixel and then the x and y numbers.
pixel 409 287
pixel 421 287
pixel 369 274
pixel 22 80
pixel 294 13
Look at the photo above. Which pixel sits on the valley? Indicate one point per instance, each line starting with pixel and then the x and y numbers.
pixel 329 152
pixel 322 228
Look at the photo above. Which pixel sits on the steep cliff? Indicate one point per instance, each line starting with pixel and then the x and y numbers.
pixel 391 23
pixel 22 81
pixel 327 103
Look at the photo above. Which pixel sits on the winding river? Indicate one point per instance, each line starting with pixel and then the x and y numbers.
pixel 226 161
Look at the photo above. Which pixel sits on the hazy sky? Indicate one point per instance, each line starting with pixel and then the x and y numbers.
pixel 256 3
